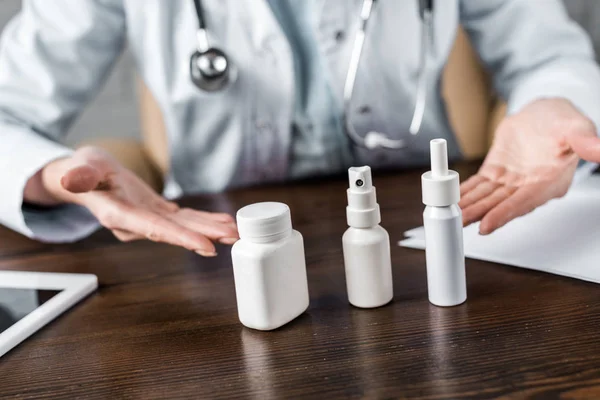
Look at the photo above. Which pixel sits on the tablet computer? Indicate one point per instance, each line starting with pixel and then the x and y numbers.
pixel 30 300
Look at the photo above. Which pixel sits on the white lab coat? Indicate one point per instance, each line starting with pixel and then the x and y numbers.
pixel 55 55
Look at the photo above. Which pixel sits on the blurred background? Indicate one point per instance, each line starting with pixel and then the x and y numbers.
pixel 118 99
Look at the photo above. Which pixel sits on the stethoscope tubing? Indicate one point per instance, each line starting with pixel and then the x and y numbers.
pixel 426 13
pixel 372 139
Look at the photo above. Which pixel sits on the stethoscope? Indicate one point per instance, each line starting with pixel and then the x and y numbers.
pixel 211 71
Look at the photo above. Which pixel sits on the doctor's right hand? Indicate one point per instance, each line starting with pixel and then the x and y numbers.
pixel 125 204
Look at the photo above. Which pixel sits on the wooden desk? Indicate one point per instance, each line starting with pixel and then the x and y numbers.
pixel 164 325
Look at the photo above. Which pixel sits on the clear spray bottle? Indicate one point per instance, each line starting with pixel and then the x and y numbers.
pixel 444 251
pixel 366 245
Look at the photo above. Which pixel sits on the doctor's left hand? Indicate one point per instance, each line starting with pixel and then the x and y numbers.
pixel 532 160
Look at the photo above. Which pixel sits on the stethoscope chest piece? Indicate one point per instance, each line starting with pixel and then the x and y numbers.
pixel 210 70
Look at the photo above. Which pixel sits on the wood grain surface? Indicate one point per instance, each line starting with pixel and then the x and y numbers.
pixel 164 324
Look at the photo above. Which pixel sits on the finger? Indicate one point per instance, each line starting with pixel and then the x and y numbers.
pixel 523 201
pixel 171 206
pixel 204 215
pixel 476 211
pixel 216 226
pixel 159 229
pixel 586 147
pixel 86 170
pixel 125 236
pixel 160 204
pixel 218 217
pixel 224 232
pixel 493 172
pixel 222 217
pixel 483 190
pixel 470 184
pixel 81 178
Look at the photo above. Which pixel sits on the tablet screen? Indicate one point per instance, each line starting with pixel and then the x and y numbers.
pixel 15 304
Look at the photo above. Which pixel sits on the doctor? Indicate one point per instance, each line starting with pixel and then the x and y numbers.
pixel 271 90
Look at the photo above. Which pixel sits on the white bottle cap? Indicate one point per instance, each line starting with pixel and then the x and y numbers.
pixel 440 186
pixel 264 222
pixel 362 210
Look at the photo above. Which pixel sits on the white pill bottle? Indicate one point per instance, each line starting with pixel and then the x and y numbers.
pixel 366 245
pixel 442 220
pixel 269 267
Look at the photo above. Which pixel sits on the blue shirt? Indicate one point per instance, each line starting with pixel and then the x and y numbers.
pixel 319 144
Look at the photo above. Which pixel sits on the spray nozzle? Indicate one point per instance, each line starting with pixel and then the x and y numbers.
pixel 440 186
pixel 439 157
pixel 360 179
pixel 362 210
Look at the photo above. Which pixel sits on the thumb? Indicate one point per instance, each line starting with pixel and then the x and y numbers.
pixel 85 170
pixel 81 178
pixel 586 147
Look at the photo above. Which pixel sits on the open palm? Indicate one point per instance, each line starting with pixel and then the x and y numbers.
pixel 126 205
pixel 532 160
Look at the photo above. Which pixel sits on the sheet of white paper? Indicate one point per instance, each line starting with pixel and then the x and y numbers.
pixel 561 237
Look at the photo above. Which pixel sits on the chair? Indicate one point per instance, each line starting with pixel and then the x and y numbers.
pixel 473 110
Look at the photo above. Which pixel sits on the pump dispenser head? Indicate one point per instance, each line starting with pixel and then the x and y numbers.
pixel 362 210
pixel 440 186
